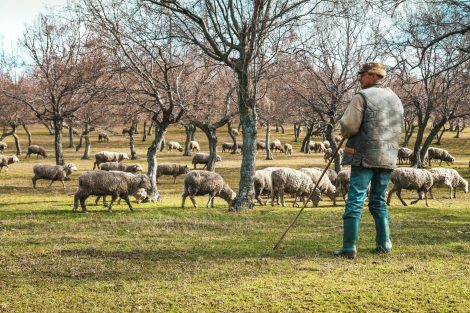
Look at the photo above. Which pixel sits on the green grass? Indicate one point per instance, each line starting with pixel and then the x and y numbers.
pixel 163 258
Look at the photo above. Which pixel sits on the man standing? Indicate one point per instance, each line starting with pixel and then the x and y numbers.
pixel 372 123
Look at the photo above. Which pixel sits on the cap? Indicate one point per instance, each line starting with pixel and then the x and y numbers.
pixel 374 68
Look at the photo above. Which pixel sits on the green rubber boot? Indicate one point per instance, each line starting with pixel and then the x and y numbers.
pixel 350 236
pixel 382 235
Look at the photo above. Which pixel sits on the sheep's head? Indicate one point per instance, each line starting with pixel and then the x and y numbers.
pixel 228 194
pixel 70 168
pixel 140 195
pixel 15 159
pixel 184 169
pixel 218 158
pixel 180 149
pixel 316 197
pixel 144 182
pixel 44 153
pixel 124 156
pixel 134 168
pixel 465 185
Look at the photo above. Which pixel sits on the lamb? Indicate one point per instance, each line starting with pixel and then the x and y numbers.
pixel 52 173
pixel 108 156
pixel 114 183
pixel 261 145
pixel 174 145
pixel 103 137
pixel 202 158
pixel 325 184
pixel 171 169
pixel 276 145
pixel 3 146
pixel 199 183
pixel 194 146
pixel 410 178
pixel 7 160
pixel 405 155
pixel 440 154
pixel 294 182
pixel 39 151
pixel 116 166
pixel 227 146
pixel 288 148
pixel 448 177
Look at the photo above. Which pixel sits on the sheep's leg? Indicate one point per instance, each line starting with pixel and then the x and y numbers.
pixel 97 200
pixel 441 163
pixel 420 197
pixel 82 203
pixel 212 202
pixel 390 194
pixel 209 201
pixel 174 179
pixel 75 202
pixel 113 198
pixel 430 193
pixel 184 195
pixel 194 166
pixel 193 201
pixel 273 193
pixel 426 197
pixel 34 179
pixel 257 197
pixel 281 194
pixel 126 198
pixel 399 197
pixel 294 204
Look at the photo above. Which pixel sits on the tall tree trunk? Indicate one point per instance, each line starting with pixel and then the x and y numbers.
pixel 439 136
pixel 297 128
pixel 28 133
pixel 151 128
pixel 187 130
pixel 409 130
pixel 233 137
pixel 17 140
pixel 212 138
pixel 248 120
pixel 144 132
pixel 306 142
pixel 86 135
pixel 132 143
pixel 50 127
pixel 163 143
pixel 59 153
pixel 71 144
pixel 154 194
pixel 193 132
pixel 458 130
pixel 283 131
pixel 269 152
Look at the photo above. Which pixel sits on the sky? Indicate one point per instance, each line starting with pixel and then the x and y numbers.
pixel 15 14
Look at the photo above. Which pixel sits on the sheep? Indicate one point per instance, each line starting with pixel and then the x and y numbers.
pixel 332 175
pixel 202 158
pixel 7 160
pixel 103 137
pixel 319 147
pixel 440 154
pixel 263 184
pixel 325 185
pixel 448 177
pixel 342 182
pixel 194 146
pixel 52 173
pixel 234 132
pixel 199 183
pixel 227 146
pixel 140 196
pixel 171 169
pixel 3 146
pixel 276 145
pixel 113 183
pixel 338 138
pixel 39 151
pixel 108 156
pixel 405 155
pixel 261 145
pixel 410 178
pixel 174 145
pixel 125 131
pixel 329 153
pixel 288 148
pixel 116 166
pixel 297 183
pixel 327 144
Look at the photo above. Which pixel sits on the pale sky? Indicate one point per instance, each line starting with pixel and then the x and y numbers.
pixel 14 14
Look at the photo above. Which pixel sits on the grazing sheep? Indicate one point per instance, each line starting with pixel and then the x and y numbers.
pixel 325 184
pixel 174 145
pixel 448 177
pixel 319 147
pixel 294 182
pixel 440 154
pixel 39 151
pixel 234 132
pixel 108 156
pixel 227 146
pixel 125 131
pixel 103 137
pixel 263 184
pixel 171 169
pixel 329 153
pixel 116 166
pixel 202 158
pixel 7 160
pixel 342 182
pixel 140 196
pixel 405 155
pixel 194 146
pixel 199 183
pixel 338 138
pixel 410 178
pixel 3 146
pixel 261 145
pixel 288 148
pixel 332 175
pixel 276 145
pixel 327 144
pixel 113 183
pixel 52 173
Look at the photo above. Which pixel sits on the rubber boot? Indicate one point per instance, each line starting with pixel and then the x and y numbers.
pixel 350 236
pixel 382 235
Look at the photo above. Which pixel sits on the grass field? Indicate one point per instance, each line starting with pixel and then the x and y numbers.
pixel 162 258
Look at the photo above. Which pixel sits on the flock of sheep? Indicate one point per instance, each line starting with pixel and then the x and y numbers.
pixel 121 180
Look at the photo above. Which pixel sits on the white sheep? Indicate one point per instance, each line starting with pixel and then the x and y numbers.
pixel 174 145
pixel 288 148
pixel 113 183
pixel 342 182
pixel 7 160
pixel 199 183
pixel 263 184
pixel 450 178
pixel 116 166
pixel 108 156
pixel 411 178
pixel 171 169
pixel 260 145
pixel 440 154
pixel 405 155
pixel 194 146
pixel 203 158
pixel 325 184
pixel 3 146
pixel 103 137
pixel 227 146
pixel 327 144
pixel 276 145
pixel 294 182
pixel 52 173
pixel 34 149
pixel 329 153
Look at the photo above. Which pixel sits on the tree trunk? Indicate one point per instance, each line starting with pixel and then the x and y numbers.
pixel 193 132
pixel 283 131
pixel 132 143
pixel 154 194
pixel 212 138
pixel 163 143
pixel 297 132
pixel 409 129
pixel 458 130
pixel 150 129
pixel 136 130
pixel 59 153
pixel 86 135
pixel 306 142
pixel 28 133
pixel 144 132
pixel 269 152
pixel 17 140
pixel 234 138
pixel 439 137
pixel 188 131
pixel 71 144
pixel 248 120
pixel 50 128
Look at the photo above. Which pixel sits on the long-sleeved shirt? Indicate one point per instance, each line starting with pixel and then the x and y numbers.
pixel 352 118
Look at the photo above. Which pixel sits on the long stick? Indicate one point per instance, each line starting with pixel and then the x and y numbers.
pixel 310 195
